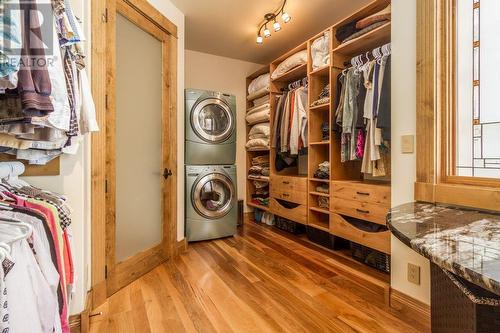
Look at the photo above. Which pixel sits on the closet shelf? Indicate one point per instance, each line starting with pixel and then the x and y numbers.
pixel 320 143
pixel 257 149
pixel 264 208
pixel 294 74
pixel 320 180
pixel 319 194
pixel 367 42
pixel 322 71
pixel 320 107
pixel 320 210
pixel 261 178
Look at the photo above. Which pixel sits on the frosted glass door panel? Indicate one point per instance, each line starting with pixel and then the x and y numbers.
pixel 138 140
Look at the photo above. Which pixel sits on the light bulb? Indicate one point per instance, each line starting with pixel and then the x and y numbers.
pixel 285 17
pixel 260 40
pixel 267 32
pixel 277 26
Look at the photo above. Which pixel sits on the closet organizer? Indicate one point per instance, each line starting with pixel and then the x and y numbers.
pixel 323 165
pixel 37 273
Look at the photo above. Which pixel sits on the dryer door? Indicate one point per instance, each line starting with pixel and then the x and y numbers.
pixel 212 120
pixel 213 195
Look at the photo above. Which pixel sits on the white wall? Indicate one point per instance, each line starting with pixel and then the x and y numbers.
pixel 404 123
pixel 209 72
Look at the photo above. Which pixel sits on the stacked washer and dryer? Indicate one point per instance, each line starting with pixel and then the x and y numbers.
pixel 210 150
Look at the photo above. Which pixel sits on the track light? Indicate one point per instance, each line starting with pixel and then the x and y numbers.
pixel 267 32
pixel 285 17
pixel 272 17
pixel 276 26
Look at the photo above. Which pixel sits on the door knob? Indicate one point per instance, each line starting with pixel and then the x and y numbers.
pixel 167 173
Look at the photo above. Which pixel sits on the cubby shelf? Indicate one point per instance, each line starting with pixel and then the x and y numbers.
pixel 319 194
pixel 264 208
pixel 320 210
pixel 321 107
pixel 323 71
pixel 319 180
pixel 297 73
pixel 375 38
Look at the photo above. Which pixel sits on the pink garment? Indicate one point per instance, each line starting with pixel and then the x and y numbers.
pixel 60 260
pixel 360 145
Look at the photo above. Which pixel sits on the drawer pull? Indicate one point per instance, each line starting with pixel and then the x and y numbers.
pixel 362 193
pixel 286 182
pixel 362 211
pixel 286 195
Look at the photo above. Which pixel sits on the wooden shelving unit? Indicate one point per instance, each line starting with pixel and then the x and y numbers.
pixel 336 220
pixel 251 153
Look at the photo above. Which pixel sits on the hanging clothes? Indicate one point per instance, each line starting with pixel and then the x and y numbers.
pixel 362 102
pixel 46 95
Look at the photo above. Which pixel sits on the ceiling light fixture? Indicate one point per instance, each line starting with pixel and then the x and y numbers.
pixel 270 17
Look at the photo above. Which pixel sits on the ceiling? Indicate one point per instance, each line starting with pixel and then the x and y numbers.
pixel 228 27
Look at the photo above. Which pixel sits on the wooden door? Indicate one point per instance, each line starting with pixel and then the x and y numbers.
pixel 141 145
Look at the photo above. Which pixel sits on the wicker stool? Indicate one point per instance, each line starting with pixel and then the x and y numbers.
pixel 458 306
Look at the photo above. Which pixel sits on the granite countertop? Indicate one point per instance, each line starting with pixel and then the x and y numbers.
pixel 463 241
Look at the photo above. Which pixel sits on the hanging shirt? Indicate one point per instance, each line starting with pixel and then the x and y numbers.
pixel 299 123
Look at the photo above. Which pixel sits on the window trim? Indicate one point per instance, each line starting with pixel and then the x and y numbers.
pixel 436 105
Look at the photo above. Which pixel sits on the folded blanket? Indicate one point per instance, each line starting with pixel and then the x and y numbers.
pixel 257 143
pixel 290 63
pixel 261 130
pixel 258 117
pixel 258 108
pixel 364 31
pixel 383 15
pixel 257 93
pixel 263 81
pixel 261 100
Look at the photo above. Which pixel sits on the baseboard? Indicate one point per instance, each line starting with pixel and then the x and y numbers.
pixel 181 246
pixel 79 323
pixel 411 307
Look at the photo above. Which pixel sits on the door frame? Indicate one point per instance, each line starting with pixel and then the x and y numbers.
pixel 103 13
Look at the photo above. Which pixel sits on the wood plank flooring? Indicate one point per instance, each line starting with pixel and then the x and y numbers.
pixel 262 280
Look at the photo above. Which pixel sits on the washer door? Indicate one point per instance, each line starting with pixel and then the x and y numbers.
pixel 212 120
pixel 213 196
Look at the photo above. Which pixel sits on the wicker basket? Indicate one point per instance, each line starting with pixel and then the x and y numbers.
pixel 371 257
pixel 289 226
pixel 461 307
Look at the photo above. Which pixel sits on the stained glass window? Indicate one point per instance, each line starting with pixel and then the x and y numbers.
pixel 478 88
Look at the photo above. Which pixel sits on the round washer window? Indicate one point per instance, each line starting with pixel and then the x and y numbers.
pixel 212 120
pixel 213 196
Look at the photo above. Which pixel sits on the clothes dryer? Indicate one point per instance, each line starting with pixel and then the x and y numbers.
pixel 211 202
pixel 210 128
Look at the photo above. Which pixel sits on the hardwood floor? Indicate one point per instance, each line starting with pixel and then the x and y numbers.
pixel 262 280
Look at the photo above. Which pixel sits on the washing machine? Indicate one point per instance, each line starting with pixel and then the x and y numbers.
pixel 210 128
pixel 211 202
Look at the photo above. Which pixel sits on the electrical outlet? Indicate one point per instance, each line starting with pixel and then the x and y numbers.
pixel 407 144
pixel 414 274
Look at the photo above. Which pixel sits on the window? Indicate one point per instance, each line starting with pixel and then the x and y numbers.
pixel 477 89
pixel 458 116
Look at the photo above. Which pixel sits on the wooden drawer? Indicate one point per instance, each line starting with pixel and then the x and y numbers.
pixel 380 241
pixel 297 214
pixel 288 183
pixel 375 213
pixel 293 189
pixel 363 192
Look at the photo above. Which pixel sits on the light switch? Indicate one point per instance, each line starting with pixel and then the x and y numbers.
pixel 407 144
pixel 414 274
